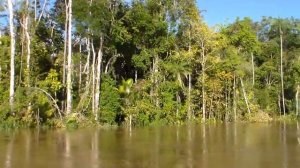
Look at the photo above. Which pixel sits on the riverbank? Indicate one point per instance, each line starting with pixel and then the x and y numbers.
pixel 73 122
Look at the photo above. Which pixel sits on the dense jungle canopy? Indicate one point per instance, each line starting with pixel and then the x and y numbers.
pixel 141 63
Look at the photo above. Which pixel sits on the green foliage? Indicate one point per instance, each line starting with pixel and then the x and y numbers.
pixel 110 101
pixel 181 67
pixel 125 88
pixel 242 35
pixel 51 83
pixel 259 117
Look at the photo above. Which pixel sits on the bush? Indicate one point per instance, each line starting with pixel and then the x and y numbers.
pixel 110 102
pixel 258 117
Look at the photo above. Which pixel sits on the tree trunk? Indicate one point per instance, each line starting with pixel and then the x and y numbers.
pixel 98 80
pixel 22 19
pixel 87 65
pixel 155 71
pixel 130 123
pixel 189 97
pixel 178 104
pixel 28 42
pixel 12 53
pixel 226 103
pixel 110 62
pixel 245 96
pixel 279 103
pixel 281 72
pixel 28 45
pixel 210 113
pixel 42 13
pixel 93 79
pixel 65 51
pixel 297 100
pixel 253 70
pixel 80 68
pixel 234 96
pixel 135 76
pixel 69 70
pixel 190 77
pixel 203 87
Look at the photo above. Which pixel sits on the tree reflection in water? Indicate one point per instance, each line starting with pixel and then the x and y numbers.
pixel 192 146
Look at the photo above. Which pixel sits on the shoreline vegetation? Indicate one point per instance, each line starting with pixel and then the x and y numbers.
pixel 11 124
pixel 109 63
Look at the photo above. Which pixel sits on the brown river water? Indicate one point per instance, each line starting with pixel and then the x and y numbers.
pixel 272 145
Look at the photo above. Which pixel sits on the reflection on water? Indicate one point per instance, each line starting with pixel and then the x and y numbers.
pixel 225 145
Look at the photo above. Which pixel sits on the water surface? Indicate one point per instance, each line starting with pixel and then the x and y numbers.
pixel 205 146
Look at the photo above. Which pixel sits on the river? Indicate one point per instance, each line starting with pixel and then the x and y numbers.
pixel 274 145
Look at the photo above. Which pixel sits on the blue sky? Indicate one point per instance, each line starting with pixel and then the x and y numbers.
pixel 226 11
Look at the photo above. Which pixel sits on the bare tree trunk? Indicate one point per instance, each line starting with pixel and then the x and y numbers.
pixel 12 54
pixel 110 62
pixel 155 70
pixel 69 68
pixel 190 78
pixel 152 82
pixel 98 80
pixel 234 96
pixel 28 42
pixel 22 39
pixel 297 100
pixel 130 123
pixel 226 103
pixel 203 86
pixel 177 107
pixel 210 113
pixel 279 103
pixel 87 65
pixel 189 97
pixel 281 72
pixel 80 68
pixel 135 76
pixel 65 52
pixel 42 12
pixel 93 78
pixel 28 45
pixel 253 69
pixel 245 96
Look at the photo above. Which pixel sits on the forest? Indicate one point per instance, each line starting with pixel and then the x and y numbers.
pixel 144 62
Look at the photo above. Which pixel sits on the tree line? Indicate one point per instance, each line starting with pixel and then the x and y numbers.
pixel 142 63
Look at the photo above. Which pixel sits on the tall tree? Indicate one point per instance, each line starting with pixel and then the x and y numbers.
pixel 98 79
pixel 12 53
pixel 281 70
pixel 69 60
pixel 28 42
